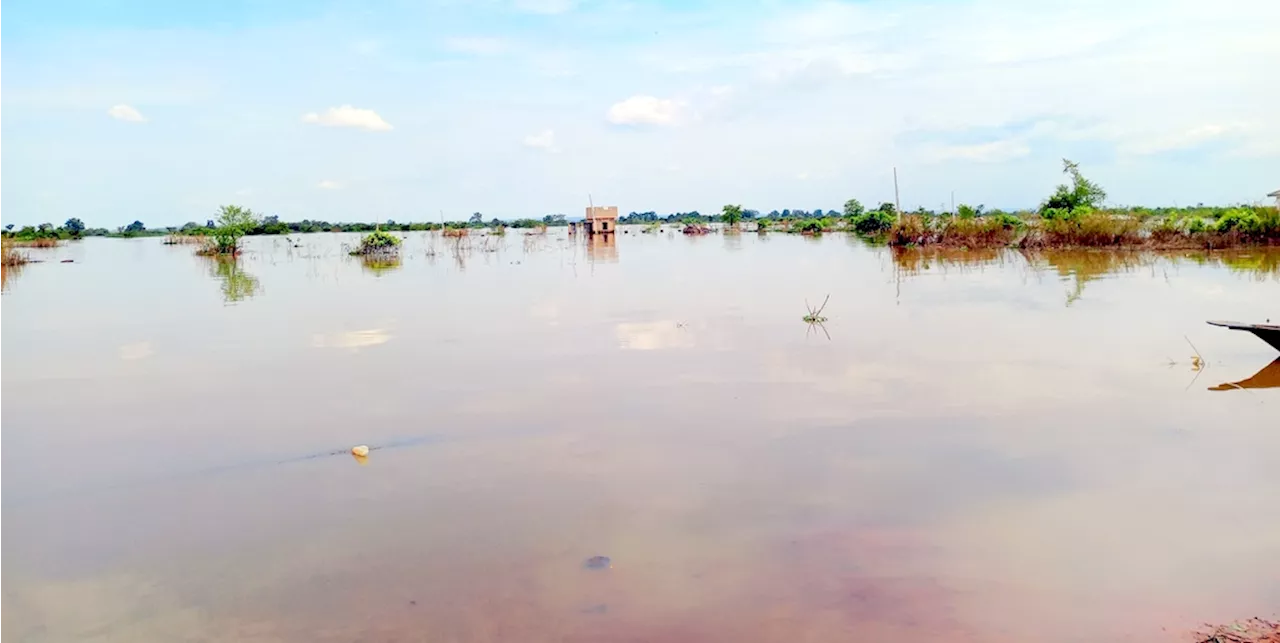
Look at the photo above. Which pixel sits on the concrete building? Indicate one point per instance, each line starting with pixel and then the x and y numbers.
pixel 601 219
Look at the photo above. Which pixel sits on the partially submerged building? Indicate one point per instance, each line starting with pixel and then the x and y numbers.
pixel 601 219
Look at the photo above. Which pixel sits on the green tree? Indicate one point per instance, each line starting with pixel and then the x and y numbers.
pixel 1070 200
pixel 731 215
pixel 75 227
pixel 853 208
pixel 233 222
pixel 477 219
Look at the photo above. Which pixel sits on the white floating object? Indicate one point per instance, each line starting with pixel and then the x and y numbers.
pixel 360 451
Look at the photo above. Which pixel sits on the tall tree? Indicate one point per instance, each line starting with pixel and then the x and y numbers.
pixel 74 226
pixel 731 215
pixel 853 208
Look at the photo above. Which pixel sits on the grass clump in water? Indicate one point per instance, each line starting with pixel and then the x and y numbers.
pixel 11 256
pixel 378 243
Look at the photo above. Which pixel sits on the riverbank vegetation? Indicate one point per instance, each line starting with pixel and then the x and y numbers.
pixel 1074 216
pixel 11 255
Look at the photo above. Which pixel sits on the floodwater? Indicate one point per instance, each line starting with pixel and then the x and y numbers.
pixel 975 446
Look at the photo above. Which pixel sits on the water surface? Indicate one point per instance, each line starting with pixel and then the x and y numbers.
pixel 986 446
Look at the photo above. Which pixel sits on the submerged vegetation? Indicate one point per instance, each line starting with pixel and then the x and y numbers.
pixel 378 244
pixel 11 255
pixel 232 223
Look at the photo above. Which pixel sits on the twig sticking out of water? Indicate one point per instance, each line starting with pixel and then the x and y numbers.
pixel 1197 362
pixel 815 316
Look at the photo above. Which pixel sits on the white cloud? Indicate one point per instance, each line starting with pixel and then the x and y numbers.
pixel 647 110
pixel 546 7
pixel 992 152
pixel 650 336
pixel 477 46
pixel 1183 140
pixel 329 185
pixel 124 112
pixel 354 340
pixel 544 140
pixel 348 116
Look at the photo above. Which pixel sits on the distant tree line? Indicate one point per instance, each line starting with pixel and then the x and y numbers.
pixel 75 229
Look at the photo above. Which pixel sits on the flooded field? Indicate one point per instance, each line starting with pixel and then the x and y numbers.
pixel 636 440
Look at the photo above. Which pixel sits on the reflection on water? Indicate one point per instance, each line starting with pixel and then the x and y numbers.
pixel 657 335
pixel 602 248
pixel 1079 266
pixel 964 459
pixel 237 284
pixel 354 339
pixel 379 264
pixel 8 272
pixel 1268 377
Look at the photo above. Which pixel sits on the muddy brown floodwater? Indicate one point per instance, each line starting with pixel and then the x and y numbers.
pixel 981 446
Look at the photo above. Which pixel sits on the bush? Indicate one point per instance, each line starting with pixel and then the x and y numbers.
pixel 378 243
pixel 873 221
pixel 807 226
pixel 1196 225
pixel 1006 220
pixel 1093 230
pixel 1239 220
pixel 910 230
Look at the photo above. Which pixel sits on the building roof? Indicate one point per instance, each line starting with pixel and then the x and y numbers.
pixel 1275 194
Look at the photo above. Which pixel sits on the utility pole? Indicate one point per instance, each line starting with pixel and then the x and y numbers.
pixel 897 203
pixel 953 204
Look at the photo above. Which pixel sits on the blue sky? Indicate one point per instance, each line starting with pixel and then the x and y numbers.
pixel 160 111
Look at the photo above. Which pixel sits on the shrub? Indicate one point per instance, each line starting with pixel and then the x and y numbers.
pixel 378 243
pixel 1006 220
pixel 873 221
pixel 10 256
pixel 1239 220
pixel 1196 225
pixel 807 226
pixel 910 230
pixel 1093 230
pixel 233 222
